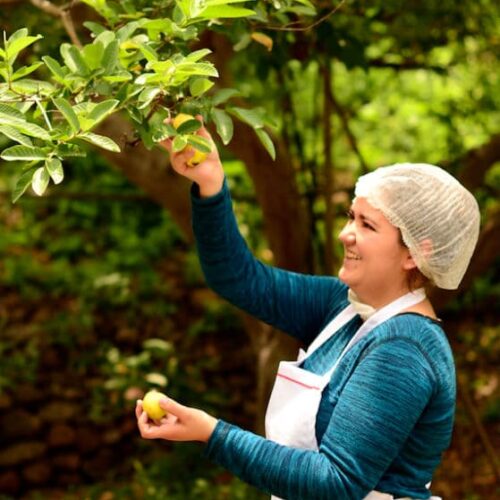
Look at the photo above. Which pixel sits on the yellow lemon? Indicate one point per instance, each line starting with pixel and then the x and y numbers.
pixel 198 156
pixel 150 404
pixel 181 118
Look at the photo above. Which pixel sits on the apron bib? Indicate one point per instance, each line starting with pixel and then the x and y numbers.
pixel 296 395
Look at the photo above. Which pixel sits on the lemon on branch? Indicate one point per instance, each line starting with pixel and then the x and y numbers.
pixel 198 156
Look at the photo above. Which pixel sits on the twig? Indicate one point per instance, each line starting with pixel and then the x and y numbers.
pixel 350 136
pixel 309 26
pixel 65 16
pixel 329 167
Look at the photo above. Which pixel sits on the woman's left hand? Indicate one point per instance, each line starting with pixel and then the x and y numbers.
pixel 181 423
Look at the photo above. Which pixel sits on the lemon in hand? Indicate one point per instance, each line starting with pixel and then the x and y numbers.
pixel 198 156
pixel 151 404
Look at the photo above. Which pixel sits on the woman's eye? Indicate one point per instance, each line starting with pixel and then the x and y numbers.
pixel 368 226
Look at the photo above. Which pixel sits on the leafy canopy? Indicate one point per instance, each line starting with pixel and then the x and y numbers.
pixel 139 62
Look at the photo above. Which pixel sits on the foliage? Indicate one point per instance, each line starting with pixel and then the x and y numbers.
pixel 140 63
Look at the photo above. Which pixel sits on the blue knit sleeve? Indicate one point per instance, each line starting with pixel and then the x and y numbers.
pixel 295 303
pixel 373 417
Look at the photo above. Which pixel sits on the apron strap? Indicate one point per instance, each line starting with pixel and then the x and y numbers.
pixel 331 328
pixel 383 314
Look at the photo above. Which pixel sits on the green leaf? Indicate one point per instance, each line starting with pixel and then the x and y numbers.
pixel 67 111
pixel 20 33
pixel 147 95
pixel 161 132
pixel 224 11
pixel 226 2
pixel 101 141
pixel 110 57
pixel 223 124
pixel 92 55
pixel 14 47
pixel 16 120
pixel 121 76
pixel 148 52
pixel 36 88
pixel 200 143
pixel 55 169
pixel 266 142
pixel 95 28
pixel 32 130
pixel 201 69
pixel 224 95
pixel 189 126
pixel 103 109
pixel 102 8
pixel 26 70
pixel 15 135
pixel 22 185
pixel 73 59
pixel 126 31
pixel 197 55
pixel 11 111
pixel 55 68
pixel 179 143
pixel 40 181
pixel 249 116
pixel 23 153
pixel 156 26
pixel 199 86
pixel 170 129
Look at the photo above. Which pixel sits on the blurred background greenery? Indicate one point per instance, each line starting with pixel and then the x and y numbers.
pixel 101 294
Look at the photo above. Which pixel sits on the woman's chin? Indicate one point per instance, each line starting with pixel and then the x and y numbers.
pixel 343 276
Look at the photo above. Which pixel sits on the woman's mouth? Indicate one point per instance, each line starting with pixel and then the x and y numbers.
pixel 351 256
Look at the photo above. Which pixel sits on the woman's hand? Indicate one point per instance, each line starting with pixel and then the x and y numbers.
pixel 180 424
pixel 209 174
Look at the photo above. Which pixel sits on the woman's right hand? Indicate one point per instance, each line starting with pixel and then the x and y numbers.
pixel 209 174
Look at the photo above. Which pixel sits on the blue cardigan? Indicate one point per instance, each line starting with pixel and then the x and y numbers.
pixel 387 414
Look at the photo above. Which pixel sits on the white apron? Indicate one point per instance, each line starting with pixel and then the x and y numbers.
pixel 296 396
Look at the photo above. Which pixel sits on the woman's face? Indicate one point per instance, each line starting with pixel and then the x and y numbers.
pixel 375 263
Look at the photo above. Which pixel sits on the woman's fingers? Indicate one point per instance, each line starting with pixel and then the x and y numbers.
pixel 138 408
pixel 174 408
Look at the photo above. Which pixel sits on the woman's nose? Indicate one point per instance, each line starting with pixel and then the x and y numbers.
pixel 347 236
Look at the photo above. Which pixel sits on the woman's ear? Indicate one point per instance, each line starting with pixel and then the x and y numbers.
pixel 409 262
pixel 425 248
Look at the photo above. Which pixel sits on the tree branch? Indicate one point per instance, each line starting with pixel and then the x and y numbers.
pixel 65 16
pixel 405 65
pixel 350 136
pixel 477 161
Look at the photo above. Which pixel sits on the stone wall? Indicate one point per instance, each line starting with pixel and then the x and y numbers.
pixel 47 440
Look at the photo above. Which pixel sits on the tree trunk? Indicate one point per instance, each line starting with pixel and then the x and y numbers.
pixel 150 170
pixel 286 226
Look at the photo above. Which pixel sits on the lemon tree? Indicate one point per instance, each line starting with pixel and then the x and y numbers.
pixel 139 62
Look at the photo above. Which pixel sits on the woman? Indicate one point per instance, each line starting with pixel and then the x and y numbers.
pixel 367 410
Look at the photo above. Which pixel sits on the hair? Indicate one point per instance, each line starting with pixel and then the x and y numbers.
pixel 414 277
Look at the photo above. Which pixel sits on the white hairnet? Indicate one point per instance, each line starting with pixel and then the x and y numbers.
pixel 438 218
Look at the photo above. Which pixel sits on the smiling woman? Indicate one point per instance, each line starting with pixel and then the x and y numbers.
pixel 375 264
pixel 366 411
